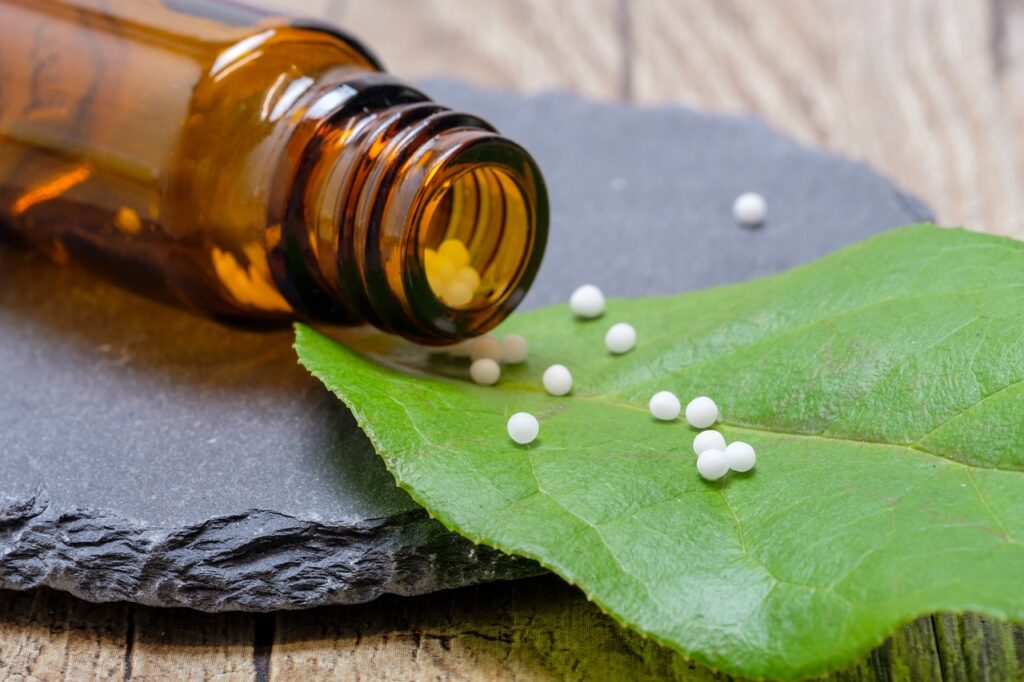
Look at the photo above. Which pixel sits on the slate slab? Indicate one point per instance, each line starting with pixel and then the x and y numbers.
pixel 153 456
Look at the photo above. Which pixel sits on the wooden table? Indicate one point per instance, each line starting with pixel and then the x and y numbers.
pixel 930 92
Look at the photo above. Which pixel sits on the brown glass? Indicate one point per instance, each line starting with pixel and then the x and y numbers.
pixel 254 167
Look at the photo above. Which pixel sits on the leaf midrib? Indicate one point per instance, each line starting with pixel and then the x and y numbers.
pixel 605 399
pixel 914 446
pixel 611 401
pixel 744 426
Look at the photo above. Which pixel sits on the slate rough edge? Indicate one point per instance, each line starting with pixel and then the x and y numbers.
pixel 283 563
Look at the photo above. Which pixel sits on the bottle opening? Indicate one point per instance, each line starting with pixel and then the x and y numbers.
pixel 474 238
pixel 456 231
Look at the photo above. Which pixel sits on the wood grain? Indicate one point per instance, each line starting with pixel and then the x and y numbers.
pixel 47 635
pixel 524 44
pixel 537 629
pixel 531 629
pixel 931 92
pixel 543 629
pixel 928 91
pixel 178 644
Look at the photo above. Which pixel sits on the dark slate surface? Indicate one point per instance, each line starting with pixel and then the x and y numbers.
pixel 153 456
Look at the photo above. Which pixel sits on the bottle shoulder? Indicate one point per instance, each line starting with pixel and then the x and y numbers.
pixel 245 112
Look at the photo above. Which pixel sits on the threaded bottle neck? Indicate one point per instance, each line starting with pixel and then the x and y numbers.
pixel 385 179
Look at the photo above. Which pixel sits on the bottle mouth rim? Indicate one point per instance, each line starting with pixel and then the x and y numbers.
pixel 473 152
pixel 349 244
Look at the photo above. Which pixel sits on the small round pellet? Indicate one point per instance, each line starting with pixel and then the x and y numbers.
pixel 436 283
pixel 557 380
pixel 523 427
pixel 127 220
pixel 485 347
pixel 485 371
pixel 702 412
pixel 708 440
pixel 712 464
pixel 749 209
pixel 457 294
pixel 513 349
pixel 454 251
pixel 439 266
pixel 587 301
pixel 664 405
pixel 469 276
pixel 740 456
pixel 430 258
pixel 620 338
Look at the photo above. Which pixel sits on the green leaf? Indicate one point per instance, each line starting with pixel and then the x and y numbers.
pixel 882 386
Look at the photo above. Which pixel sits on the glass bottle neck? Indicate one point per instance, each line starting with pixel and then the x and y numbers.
pixel 401 213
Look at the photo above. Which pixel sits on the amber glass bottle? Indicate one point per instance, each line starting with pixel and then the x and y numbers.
pixel 258 169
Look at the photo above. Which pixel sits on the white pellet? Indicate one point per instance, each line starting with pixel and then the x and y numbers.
pixel 740 456
pixel 712 464
pixel 557 380
pixel 513 349
pixel 664 405
pixel 620 338
pixel 454 251
pixel 749 209
pixel 457 294
pixel 523 427
pixel 708 440
pixel 485 347
pixel 485 371
pixel 702 412
pixel 587 301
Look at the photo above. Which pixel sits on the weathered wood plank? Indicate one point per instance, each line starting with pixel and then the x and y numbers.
pixel 47 635
pixel 178 644
pixel 538 629
pixel 543 629
pixel 526 45
pixel 930 92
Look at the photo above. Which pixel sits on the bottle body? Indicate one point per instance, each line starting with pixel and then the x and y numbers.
pixel 249 166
